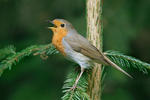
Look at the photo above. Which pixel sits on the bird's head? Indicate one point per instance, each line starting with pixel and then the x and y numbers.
pixel 60 26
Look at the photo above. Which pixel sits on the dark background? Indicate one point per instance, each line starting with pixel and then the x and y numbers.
pixel 23 23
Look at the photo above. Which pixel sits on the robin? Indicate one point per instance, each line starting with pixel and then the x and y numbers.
pixel 77 48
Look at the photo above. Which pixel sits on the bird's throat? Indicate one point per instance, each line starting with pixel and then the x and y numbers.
pixel 57 39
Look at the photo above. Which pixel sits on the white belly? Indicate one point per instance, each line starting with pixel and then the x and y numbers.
pixel 77 57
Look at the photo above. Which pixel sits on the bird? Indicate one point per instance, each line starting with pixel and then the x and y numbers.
pixel 77 48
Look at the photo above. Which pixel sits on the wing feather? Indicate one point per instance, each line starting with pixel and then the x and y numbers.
pixel 80 44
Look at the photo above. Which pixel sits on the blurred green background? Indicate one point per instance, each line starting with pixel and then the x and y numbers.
pixel 24 23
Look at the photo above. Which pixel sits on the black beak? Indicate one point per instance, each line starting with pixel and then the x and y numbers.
pixel 54 26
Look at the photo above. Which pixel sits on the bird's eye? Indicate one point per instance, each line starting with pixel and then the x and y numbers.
pixel 62 25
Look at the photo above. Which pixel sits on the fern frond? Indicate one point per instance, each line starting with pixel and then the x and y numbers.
pixel 80 92
pixel 16 57
pixel 127 61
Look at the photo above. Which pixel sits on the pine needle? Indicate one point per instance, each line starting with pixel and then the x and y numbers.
pixel 7 51
pixel 127 61
pixel 17 56
pixel 118 58
pixel 80 92
pixel 10 58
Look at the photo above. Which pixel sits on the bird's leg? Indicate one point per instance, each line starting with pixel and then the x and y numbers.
pixel 77 79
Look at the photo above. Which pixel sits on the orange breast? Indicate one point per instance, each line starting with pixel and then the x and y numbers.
pixel 57 40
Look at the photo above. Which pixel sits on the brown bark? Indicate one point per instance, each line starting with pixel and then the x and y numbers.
pixel 94 33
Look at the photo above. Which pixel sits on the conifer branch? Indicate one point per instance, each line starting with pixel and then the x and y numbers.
pixel 120 59
pixel 7 51
pixel 11 57
pixel 80 92
pixel 17 56
pixel 127 61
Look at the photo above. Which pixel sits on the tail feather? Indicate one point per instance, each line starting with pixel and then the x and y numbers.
pixel 109 62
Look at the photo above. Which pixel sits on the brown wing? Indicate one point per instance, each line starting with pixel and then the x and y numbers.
pixel 82 45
